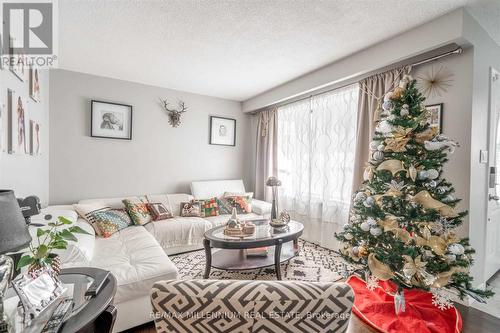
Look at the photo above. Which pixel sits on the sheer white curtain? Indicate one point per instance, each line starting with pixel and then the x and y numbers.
pixel 316 141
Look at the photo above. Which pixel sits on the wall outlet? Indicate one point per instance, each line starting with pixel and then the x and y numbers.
pixel 483 156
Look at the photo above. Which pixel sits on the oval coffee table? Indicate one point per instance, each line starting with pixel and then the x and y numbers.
pixel 232 254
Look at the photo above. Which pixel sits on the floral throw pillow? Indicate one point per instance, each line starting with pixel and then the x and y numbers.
pixel 138 211
pixel 209 207
pixel 110 221
pixel 158 211
pixel 191 209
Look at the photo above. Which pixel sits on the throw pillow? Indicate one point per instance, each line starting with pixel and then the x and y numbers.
pixel 158 211
pixel 110 221
pixel 138 211
pixel 209 207
pixel 243 204
pixel 86 211
pixel 191 209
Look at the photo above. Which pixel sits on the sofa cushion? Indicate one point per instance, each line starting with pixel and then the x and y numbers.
pixel 159 211
pixel 80 252
pixel 138 210
pixel 87 211
pixel 136 260
pixel 217 221
pixel 110 221
pixel 179 231
pixel 175 201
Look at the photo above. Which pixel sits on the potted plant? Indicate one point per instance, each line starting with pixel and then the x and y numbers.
pixel 48 239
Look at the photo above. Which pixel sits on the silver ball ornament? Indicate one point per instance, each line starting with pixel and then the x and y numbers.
pixel 355 250
pixel 388 105
pixel 369 202
pixel 374 145
pixel 360 197
pixel 348 236
pixel 365 226
pixel 376 231
pixel 456 249
pixel 423 174
pixel 450 257
pixel 432 174
pixel 381 148
pixel 378 155
pixel 371 221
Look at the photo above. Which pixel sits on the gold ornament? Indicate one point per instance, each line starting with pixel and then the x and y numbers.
pixel 427 201
pixel 380 270
pixel 362 251
pixel 368 173
pixel 427 135
pixel 397 93
pixel 414 270
pixel 394 166
pixel 389 223
pixel 396 145
pixel 378 112
pixel 412 172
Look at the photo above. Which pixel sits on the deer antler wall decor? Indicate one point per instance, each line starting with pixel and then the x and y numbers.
pixel 174 115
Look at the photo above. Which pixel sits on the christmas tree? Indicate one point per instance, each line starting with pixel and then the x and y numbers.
pixel 404 214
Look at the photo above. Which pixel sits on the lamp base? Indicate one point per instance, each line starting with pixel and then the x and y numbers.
pixel 6 269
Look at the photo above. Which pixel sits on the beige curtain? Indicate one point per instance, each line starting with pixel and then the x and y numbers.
pixel 370 88
pixel 267 153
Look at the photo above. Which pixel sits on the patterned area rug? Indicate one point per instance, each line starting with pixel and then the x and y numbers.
pixel 314 264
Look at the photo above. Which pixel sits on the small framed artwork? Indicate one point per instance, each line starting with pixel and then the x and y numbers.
pixel 35 136
pixel 222 131
pixel 34 84
pixel 111 120
pixel 435 116
pixel 17 123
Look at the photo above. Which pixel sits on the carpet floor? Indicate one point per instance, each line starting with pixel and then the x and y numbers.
pixel 314 264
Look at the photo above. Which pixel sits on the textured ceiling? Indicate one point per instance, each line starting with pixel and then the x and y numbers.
pixel 232 49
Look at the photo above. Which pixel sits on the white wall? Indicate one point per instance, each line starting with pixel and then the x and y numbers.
pixel 25 174
pixel 158 159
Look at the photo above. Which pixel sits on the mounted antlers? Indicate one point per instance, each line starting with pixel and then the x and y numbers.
pixel 174 114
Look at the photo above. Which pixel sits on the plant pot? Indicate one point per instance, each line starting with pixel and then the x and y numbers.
pixel 55 265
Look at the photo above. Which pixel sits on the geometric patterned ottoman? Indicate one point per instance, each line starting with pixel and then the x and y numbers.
pixel 236 306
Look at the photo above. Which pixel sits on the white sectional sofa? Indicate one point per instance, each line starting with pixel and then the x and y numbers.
pixel 138 255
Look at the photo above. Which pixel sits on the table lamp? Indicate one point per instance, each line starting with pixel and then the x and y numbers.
pixel 274 183
pixel 14 236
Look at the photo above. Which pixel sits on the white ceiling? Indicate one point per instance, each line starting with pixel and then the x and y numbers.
pixel 233 49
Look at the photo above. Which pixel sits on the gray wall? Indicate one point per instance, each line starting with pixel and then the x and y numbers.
pixel 158 159
pixel 25 174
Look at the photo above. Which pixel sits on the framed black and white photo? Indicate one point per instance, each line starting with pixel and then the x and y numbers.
pixel 111 120
pixel 222 131
pixel 435 115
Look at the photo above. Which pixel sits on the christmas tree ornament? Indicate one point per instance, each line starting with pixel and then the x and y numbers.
pixel 431 184
pixel 399 301
pixel 412 172
pixel 371 221
pixel 415 268
pixel 374 145
pixel 432 174
pixel 378 155
pixel 369 202
pixel 362 251
pixel 365 226
pixel 376 231
pixel 348 236
pixel 394 188
pixel 426 135
pixel 397 93
pixel 388 105
pixel 378 112
pixel 360 196
pixel 405 110
pixel 346 227
pixel 380 270
pixel 456 249
pixel 388 96
pixel 396 145
pixel 381 148
pixel 423 174
pixel 450 257
pixel 394 166
pixel 355 250
pixel 384 127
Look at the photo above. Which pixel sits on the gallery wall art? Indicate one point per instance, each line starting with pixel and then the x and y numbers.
pixel 17 123
pixel 111 120
pixel 222 131
pixel 34 83
pixel 35 138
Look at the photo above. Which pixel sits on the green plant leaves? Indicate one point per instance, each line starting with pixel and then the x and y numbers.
pixel 64 220
pixel 77 230
pixel 25 261
pixel 42 251
pixel 68 235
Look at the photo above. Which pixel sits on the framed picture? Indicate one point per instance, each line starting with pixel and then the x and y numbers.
pixel 436 115
pixel 111 120
pixel 222 131
pixel 35 138
pixel 17 123
pixel 34 84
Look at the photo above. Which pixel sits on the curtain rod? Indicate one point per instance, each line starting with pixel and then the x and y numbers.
pixel 433 55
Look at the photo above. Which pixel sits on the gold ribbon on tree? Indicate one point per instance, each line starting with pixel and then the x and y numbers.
pixel 380 270
pixel 425 199
pixel 414 271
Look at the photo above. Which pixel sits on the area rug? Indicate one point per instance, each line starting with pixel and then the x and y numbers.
pixel 314 264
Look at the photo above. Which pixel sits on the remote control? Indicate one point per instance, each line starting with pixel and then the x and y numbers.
pixel 97 284
pixel 57 319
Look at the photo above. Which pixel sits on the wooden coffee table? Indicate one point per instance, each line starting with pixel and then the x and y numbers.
pixel 232 254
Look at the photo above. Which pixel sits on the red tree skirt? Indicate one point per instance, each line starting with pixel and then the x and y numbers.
pixel 376 308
